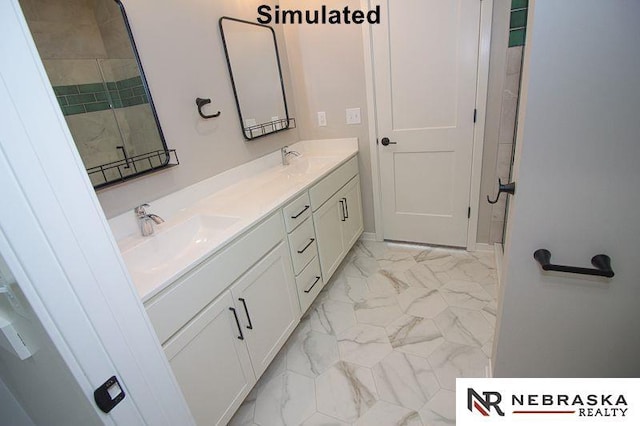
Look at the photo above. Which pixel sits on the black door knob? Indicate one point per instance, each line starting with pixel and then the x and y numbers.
pixel 387 142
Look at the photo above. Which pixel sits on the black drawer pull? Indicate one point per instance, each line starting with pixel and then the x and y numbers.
pixel 244 303
pixel 301 211
pixel 235 315
pixel 344 217
pixel 602 262
pixel 346 209
pixel 311 240
pixel 313 285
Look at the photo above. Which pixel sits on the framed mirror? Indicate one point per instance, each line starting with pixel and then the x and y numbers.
pixel 92 62
pixel 254 66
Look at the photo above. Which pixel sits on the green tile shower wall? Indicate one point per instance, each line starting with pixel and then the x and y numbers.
pixel 83 98
pixel 518 22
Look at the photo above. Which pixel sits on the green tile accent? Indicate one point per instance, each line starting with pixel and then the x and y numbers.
pixel 517 37
pixel 72 110
pixel 98 106
pixel 91 88
pixel 518 19
pixel 519 4
pixel 81 99
pixel 65 90
pixel 139 90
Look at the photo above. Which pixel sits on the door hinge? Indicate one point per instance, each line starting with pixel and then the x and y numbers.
pixel 469 213
pixel 475 114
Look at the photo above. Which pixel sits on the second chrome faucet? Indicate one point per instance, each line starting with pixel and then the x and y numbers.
pixel 146 220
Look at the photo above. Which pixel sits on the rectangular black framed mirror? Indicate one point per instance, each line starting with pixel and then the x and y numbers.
pixel 256 75
pixel 92 62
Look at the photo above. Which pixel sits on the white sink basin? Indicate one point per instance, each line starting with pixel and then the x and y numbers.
pixel 176 246
pixel 305 165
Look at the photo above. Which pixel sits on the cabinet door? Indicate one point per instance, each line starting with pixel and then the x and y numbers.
pixel 211 364
pixel 328 221
pixel 268 306
pixel 353 226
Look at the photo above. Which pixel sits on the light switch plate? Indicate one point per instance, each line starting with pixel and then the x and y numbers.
pixel 322 119
pixel 353 116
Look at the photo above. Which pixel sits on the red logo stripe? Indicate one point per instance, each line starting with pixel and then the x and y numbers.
pixel 479 408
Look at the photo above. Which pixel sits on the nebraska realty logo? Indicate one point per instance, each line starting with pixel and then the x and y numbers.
pixel 552 401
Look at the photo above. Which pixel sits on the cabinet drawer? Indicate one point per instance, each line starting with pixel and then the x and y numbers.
pixel 296 212
pixel 174 307
pixel 302 243
pixel 328 186
pixel 309 284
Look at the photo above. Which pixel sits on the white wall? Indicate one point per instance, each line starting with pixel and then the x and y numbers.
pixel 12 412
pixel 327 67
pixel 181 51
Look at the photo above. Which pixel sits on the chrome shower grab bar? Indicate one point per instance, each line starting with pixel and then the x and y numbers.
pixel 602 262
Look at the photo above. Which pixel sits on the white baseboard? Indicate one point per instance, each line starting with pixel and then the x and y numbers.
pixel 484 247
pixel 368 236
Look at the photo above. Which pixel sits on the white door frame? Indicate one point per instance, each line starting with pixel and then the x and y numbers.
pixel 58 243
pixel 484 48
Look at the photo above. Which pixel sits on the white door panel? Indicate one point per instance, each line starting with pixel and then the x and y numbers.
pixel 425 57
pixel 577 176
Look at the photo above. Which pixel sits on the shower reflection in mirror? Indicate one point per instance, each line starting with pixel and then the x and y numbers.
pixel 92 63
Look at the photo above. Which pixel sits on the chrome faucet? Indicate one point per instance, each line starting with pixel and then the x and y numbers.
pixel 146 220
pixel 285 155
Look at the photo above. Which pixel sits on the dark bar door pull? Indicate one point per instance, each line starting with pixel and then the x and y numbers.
pixel 244 303
pixel 602 264
pixel 509 188
pixel 235 315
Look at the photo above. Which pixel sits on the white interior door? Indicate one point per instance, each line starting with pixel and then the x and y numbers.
pixel 577 174
pixel 425 61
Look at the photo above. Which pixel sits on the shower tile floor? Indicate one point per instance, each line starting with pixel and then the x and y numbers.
pixel 384 341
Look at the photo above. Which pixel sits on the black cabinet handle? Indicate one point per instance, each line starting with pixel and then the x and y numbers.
pixel 244 303
pixel 235 315
pixel 343 218
pixel 311 240
pixel 302 211
pixel 346 208
pixel 313 285
pixel 602 262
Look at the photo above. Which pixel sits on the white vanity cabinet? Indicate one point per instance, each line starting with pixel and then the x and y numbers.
pixel 224 322
pixel 337 215
pixel 211 363
pixel 267 306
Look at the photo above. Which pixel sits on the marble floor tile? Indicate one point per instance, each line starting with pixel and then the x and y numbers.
pixel 465 294
pixel 490 311
pixel 387 283
pixel 397 265
pixel 364 345
pixel 421 276
pixel 319 419
pixel 385 414
pixel 378 310
pixel 331 317
pixel 452 360
pixel 345 391
pixel 421 302
pixel 287 399
pixel 464 326
pixel 348 289
pixel 311 353
pixel 414 335
pixel 405 380
pixel 488 348
pixel 244 415
pixel 361 267
pixel 441 410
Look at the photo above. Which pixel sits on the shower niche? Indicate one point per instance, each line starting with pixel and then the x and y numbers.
pixel 92 63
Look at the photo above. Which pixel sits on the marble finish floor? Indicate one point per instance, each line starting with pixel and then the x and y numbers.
pixel 384 342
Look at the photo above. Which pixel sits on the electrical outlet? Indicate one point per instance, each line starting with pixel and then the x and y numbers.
pixel 322 119
pixel 353 116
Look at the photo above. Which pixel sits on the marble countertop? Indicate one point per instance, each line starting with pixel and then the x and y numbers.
pixel 202 219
